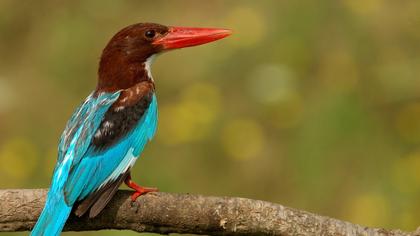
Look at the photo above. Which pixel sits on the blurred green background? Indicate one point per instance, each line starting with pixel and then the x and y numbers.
pixel 311 104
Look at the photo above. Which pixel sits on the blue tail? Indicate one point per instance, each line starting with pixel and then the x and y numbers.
pixel 53 217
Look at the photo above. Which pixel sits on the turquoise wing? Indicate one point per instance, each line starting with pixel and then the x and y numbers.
pixel 78 134
pixel 74 144
pixel 97 168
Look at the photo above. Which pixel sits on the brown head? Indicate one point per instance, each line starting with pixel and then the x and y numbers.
pixel 126 60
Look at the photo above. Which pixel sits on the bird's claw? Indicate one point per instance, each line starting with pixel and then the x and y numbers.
pixel 142 190
pixel 139 189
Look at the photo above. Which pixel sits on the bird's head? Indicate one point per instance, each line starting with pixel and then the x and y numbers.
pixel 127 57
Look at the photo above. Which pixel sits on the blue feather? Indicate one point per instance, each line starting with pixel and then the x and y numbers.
pixel 99 168
pixel 73 144
pixel 81 170
pixel 55 212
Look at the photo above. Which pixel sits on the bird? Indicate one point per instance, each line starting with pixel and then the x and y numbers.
pixel 107 133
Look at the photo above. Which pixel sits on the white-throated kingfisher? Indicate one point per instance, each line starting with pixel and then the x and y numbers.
pixel 107 133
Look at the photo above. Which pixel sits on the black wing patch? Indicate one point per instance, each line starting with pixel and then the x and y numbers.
pixel 118 122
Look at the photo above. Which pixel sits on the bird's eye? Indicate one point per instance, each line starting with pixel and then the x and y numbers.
pixel 150 34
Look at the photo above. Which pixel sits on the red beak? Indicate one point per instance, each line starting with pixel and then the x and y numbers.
pixel 181 37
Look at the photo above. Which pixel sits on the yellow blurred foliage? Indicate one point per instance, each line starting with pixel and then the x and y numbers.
pixel 371 209
pixel 248 24
pixel 50 161
pixel 272 83
pixel 288 114
pixel 18 160
pixel 406 173
pixel 243 139
pixel 338 69
pixel 190 117
pixel 407 122
pixel 364 7
pixel 7 95
pixel 408 220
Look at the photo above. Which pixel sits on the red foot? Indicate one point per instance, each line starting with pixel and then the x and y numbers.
pixel 139 189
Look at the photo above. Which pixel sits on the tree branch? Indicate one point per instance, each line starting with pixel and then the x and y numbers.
pixel 166 213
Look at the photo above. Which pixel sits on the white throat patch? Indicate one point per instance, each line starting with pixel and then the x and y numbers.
pixel 148 65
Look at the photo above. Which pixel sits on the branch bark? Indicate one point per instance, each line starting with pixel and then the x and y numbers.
pixel 166 213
